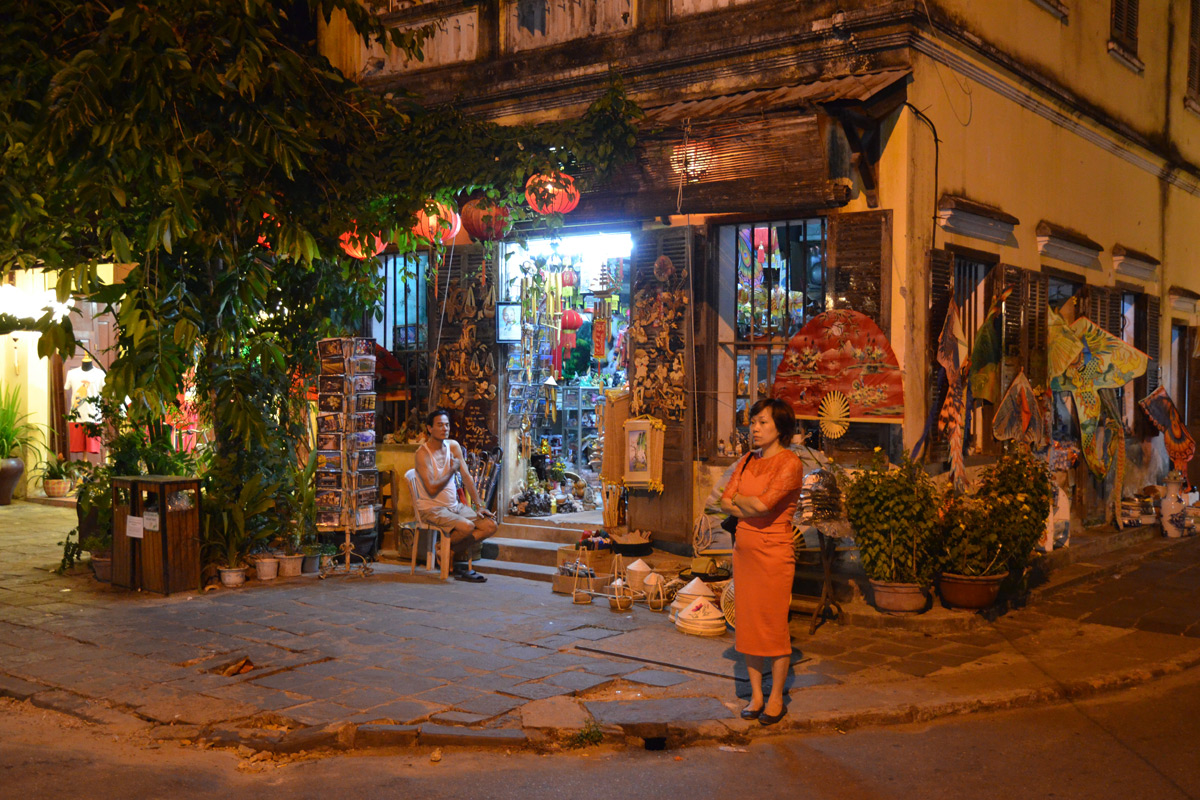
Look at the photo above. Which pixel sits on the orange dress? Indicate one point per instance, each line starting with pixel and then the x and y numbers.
pixel 764 561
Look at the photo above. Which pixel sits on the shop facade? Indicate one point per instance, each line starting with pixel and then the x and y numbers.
pixel 881 160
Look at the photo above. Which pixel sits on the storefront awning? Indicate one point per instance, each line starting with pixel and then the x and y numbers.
pixel 758 152
pixel 847 89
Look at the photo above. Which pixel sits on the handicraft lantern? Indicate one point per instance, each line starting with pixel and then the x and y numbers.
pixel 484 220
pixel 437 223
pixel 552 193
pixel 361 247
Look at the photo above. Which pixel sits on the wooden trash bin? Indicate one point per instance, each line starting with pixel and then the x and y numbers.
pixel 156 533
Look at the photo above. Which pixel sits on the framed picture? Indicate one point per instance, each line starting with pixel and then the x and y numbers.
pixel 508 323
pixel 642 459
pixel 516 391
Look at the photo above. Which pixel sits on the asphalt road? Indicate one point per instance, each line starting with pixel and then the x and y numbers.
pixel 1138 744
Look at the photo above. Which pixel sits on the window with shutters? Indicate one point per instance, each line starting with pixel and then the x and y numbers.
pixel 406 305
pixel 1179 383
pixel 972 294
pixel 773 280
pixel 1125 24
pixel 1060 289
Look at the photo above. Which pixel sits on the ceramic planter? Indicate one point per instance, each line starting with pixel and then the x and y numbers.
pixel 102 567
pixel 11 470
pixel 266 568
pixel 56 487
pixel 232 578
pixel 289 566
pixel 898 598
pixel 970 591
pixel 310 564
pixel 1174 509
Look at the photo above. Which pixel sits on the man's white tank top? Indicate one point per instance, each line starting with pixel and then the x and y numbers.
pixel 439 468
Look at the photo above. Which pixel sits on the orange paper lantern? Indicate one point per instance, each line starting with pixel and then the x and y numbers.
pixel 485 221
pixel 552 193
pixel 570 278
pixel 437 223
pixel 357 247
pixel 572 320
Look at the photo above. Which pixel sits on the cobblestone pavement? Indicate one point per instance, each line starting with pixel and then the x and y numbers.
pixel 1160 594
pixel 400 649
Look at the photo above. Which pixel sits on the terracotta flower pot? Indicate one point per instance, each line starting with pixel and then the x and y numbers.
pixel 266 568
pixel 289 566
pixel 899 598
pixel 970 591
pixel 56 487
pixel 232 578
pixel 102 567
pixel 11 470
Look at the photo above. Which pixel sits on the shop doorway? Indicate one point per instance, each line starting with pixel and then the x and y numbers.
pixel 562 323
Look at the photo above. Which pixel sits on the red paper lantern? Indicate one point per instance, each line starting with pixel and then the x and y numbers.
pixel 437 223
pixel 356 246
pixel 570 278
pixel 572 320
pixel 262 237
pixel 484 220
pixel 553 193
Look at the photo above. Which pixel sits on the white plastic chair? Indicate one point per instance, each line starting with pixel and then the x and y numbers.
pixel 438 542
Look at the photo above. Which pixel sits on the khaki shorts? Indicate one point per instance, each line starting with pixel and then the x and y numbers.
pixel 448 517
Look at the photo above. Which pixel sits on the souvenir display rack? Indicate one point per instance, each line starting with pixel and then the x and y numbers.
pixel 346 478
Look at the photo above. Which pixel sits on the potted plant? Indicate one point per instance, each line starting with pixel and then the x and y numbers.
pixel 311 550
pixel 991 534
pixel 894 514
pixel 228 534
pixel 328 554
pixel 58 474
pixel 974 551
pixel 100 546
pixel 266 565
pixel 16 434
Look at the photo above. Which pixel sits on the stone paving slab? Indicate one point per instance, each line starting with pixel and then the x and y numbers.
pixel 398 650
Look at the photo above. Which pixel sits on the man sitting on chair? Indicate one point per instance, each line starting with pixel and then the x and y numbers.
pixel 439 461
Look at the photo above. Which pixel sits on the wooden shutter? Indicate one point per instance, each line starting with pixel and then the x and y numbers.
pixel 668 515
pixel 1103 307
pixel 1193 80
pixel 941 286
pixel 860 263
pixel 1153 342
pixel 1125 23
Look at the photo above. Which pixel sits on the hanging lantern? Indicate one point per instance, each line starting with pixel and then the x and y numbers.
pixel 485 221
pixel 570 278
pixel 571 321
pixel 437 223
pixel 263 241
pixel 552 193
pixel 357 247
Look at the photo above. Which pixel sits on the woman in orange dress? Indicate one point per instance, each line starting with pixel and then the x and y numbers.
pixel 762 495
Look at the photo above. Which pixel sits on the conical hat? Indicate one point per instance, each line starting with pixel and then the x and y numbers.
pixel 697 588
pixel 638 566
pixel 701 611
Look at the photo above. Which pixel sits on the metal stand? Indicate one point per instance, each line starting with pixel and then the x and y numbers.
pixel 343 564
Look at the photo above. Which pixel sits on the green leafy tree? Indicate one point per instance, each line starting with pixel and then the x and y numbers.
pixel 209 145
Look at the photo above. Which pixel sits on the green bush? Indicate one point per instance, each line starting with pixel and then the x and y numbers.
pixel 894 514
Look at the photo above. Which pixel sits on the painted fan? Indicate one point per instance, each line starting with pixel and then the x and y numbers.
pixel 833 415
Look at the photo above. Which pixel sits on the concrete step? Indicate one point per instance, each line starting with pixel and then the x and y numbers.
pixel 1091 544
pixel 515 569
pixel 541 530
pixel 525 551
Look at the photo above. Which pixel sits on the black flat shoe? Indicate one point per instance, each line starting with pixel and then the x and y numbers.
pixel 751 713
pixel 771 719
